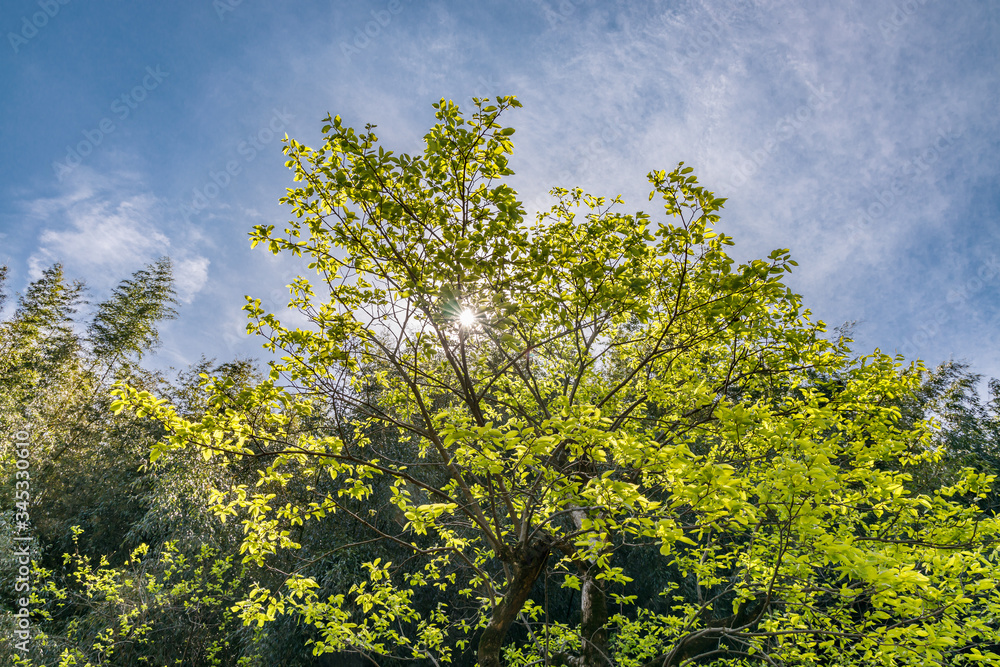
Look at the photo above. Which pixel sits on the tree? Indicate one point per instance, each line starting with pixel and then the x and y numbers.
pixel 86 470
pixel 127 568
pixel 969 433
pixel 3 279
pixel 127 323
pixel 546 400
pixel 57 373
pixel 39 338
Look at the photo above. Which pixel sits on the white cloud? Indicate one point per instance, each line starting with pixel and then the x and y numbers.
pixel 104 228
pixel 101 236
pixel 190 275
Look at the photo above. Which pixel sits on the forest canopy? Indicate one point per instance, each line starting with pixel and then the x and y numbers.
pixel 590 438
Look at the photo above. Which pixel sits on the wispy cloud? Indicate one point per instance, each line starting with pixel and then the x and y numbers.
pixel 860 134
pixel 806 117
pixel 103 228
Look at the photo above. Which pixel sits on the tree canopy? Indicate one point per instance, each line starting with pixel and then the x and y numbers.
pixel 596 407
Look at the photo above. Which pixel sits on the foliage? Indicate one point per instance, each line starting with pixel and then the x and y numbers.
pixel 969 426
pixel 89 468
pixel 127 322
pixel 132 611
pixel 543 400
pixel 38 339
pixel 56 383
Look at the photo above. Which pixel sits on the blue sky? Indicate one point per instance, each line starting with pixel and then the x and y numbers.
pixel 861 135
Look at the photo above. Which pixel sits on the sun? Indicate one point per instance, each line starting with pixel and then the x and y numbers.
pixel 466 318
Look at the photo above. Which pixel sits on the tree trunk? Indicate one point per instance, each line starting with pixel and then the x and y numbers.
pixel 593 625
pixel 525 573
pixel 594 612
